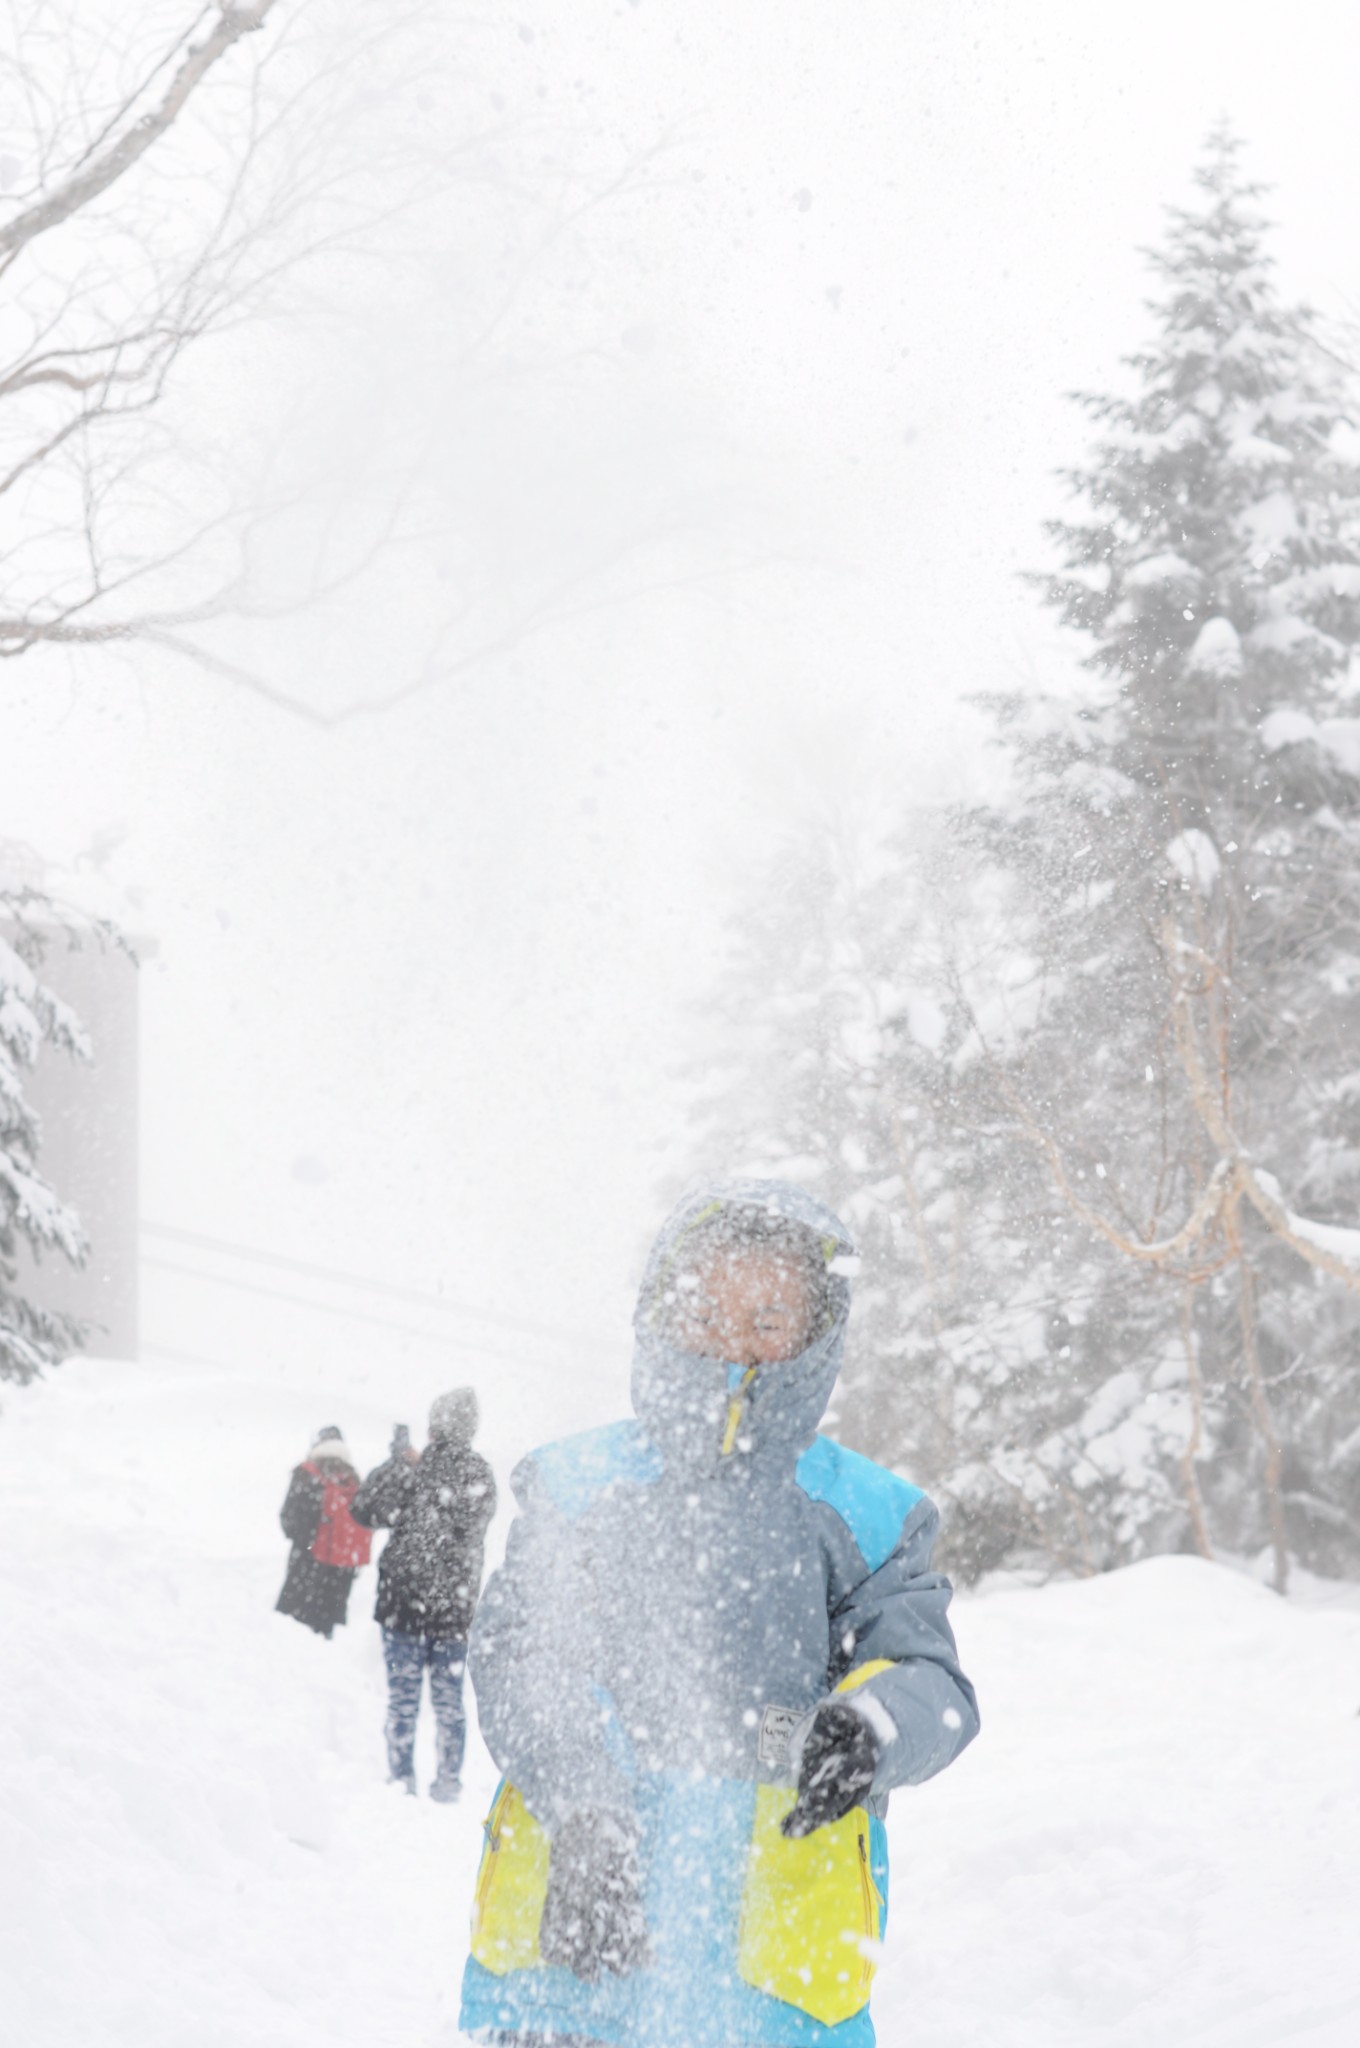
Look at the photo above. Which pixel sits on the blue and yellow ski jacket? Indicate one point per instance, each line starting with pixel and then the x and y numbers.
pixel 678 1596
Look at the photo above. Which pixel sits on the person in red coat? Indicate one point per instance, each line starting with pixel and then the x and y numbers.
pixel 329 1546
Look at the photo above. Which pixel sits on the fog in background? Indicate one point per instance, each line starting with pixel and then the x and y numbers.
pixel 709 516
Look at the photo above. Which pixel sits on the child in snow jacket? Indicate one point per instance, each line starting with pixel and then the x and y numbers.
pixel 715 1647
pixel 328 1547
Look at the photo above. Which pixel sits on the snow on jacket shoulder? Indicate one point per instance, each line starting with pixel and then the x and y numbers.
pixel 438 1510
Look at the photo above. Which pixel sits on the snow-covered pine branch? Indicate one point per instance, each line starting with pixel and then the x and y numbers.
pixel 34 1023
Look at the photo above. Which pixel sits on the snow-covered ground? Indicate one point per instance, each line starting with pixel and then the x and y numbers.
pixel 1154 1839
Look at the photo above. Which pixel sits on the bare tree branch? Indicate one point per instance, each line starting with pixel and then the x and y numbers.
pixel 1304 1237
pixel 1203 1219
pixel 105 170
pixel 93 473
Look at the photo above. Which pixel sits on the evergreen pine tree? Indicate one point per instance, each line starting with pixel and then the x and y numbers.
pixel 1078 1331
pixel 32 1018
pixel 1189 848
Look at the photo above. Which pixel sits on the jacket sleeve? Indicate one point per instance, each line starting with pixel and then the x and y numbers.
pixel 383 1494
pixel 473 1502
pixel 300 1515
pixel 486 1502
pixel 530 1658
pixel 900 1665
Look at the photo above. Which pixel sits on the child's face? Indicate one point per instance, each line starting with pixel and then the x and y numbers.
pixel 750 1307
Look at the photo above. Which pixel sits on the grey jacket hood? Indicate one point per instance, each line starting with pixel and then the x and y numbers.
pixel 685 1401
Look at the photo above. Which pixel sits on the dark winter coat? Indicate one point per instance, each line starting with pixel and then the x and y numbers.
pixel 438 1511
pixel 315 1594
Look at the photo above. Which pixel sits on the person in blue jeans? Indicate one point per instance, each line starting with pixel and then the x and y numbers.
pixel 438 1507
pixel 408 1658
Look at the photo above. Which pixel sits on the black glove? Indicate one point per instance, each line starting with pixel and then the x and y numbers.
pixel 840 1756
pixel 593 1920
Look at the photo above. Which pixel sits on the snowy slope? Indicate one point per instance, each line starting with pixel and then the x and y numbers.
pixel 1154 1838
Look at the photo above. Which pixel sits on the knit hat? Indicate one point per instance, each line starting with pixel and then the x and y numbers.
pixel 328 1443
pixel 454 1415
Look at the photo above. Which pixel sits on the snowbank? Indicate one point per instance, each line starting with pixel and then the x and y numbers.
pixel 1153 1838
pixel 1154 1835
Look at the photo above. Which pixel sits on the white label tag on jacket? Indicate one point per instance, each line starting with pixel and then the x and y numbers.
pixel 776 1726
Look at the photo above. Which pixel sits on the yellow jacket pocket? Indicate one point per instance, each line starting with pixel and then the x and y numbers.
pixel 512 1883
pixel 809 1912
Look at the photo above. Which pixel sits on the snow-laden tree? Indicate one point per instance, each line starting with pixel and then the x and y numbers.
pixel 1187 859
pixel 838 1055
pixel 33 1020
pixel 1130 1018
pixel 843 1054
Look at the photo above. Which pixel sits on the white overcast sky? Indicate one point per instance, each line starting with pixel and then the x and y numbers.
pixel 424 980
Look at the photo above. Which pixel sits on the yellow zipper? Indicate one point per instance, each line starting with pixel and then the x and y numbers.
pixel 491 1829
pixel 736 1408
pixel 872 1904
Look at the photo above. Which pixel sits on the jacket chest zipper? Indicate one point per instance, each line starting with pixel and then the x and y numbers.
pixel 736 1408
